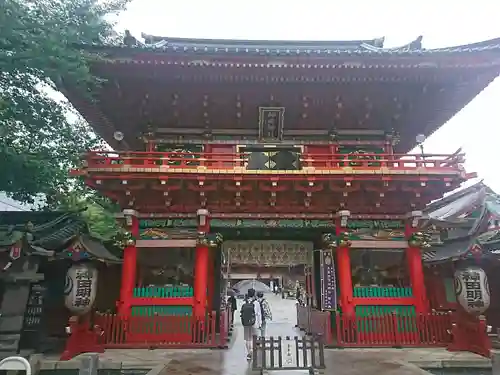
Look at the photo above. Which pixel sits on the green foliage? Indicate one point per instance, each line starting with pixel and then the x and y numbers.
pixel 38 45
pixel 96 211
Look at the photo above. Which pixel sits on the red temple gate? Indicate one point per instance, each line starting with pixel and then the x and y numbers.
pixel 323 134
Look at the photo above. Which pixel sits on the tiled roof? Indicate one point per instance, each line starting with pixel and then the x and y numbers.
pixel 47 232
pixel 290 48
pixel 235 43
pixel 449 252
pixel 452 251
pixel 478 197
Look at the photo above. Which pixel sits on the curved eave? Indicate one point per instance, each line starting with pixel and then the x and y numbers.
pixel 97 250
pixel 448 252
pixel 94 116
pixel 311 50
pixel 233 64
pixel 429 122
pixel 489 43
pixel 19 219
pixel 343 66
pixel 454 196
pixel 61 236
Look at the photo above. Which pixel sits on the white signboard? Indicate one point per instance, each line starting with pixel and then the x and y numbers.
pixel 80 289
pixel 472 289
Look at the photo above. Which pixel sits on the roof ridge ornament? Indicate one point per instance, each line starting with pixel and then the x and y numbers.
pixel 131 41
pixel 412 46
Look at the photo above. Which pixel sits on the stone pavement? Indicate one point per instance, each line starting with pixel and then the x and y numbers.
pixel 233 362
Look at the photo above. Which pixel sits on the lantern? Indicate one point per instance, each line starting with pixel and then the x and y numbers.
pixel 80 288
pixel 472 289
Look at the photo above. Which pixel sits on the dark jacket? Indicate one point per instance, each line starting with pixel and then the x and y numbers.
pixel 232 302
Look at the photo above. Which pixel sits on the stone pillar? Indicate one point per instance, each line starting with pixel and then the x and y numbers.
pixel 344 264
pixel 129 266
pixel 202 257
pixel 414 259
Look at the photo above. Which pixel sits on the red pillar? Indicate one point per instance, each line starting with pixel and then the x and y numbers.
pixel 415 268
pixel 344 267
pixel 129 266
pixel 202 258
pixel 211 279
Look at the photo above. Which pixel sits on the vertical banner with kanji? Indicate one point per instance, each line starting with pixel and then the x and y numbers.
pixel 80 288
pixel 328 281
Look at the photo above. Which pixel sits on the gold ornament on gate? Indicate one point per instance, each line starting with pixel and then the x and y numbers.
pixel 358 155
pixel 420 239
pixel 329 240
pixel 202 239
pixel 214 239
pixel 211 239
pixel 123 238
pixel 343 239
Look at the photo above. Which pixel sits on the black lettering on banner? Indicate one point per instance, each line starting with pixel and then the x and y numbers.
pixel 83 288
pixel 472 286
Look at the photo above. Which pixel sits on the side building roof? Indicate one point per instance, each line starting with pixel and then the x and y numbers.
pixel 467 216
pixel 50 234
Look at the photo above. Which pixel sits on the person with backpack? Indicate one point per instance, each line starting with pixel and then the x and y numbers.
pixel 265 311
pixel 251 319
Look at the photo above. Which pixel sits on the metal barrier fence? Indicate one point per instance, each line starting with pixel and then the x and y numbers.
pixel 288 353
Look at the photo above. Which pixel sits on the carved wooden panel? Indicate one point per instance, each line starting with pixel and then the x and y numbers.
pixel 268 253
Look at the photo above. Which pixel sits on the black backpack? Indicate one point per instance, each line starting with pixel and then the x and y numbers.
pixel 247 314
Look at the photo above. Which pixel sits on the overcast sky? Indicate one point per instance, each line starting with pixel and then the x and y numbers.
pixel 441 22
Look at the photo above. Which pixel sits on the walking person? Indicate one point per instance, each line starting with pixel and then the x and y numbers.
pixel 251 319
pixel 265 311
pixel 231 301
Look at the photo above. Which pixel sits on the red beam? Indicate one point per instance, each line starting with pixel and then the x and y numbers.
pixel 267 215
pixel 117 175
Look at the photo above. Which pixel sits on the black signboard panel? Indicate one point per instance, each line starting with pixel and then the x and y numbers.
pixel 328 281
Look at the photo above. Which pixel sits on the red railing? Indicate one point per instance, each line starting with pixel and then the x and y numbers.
pixel 394 330
pixel 225 161
pixel 226 326
pixel 470 333
pixel 162 331
pixel 315 322
pixel 389 330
